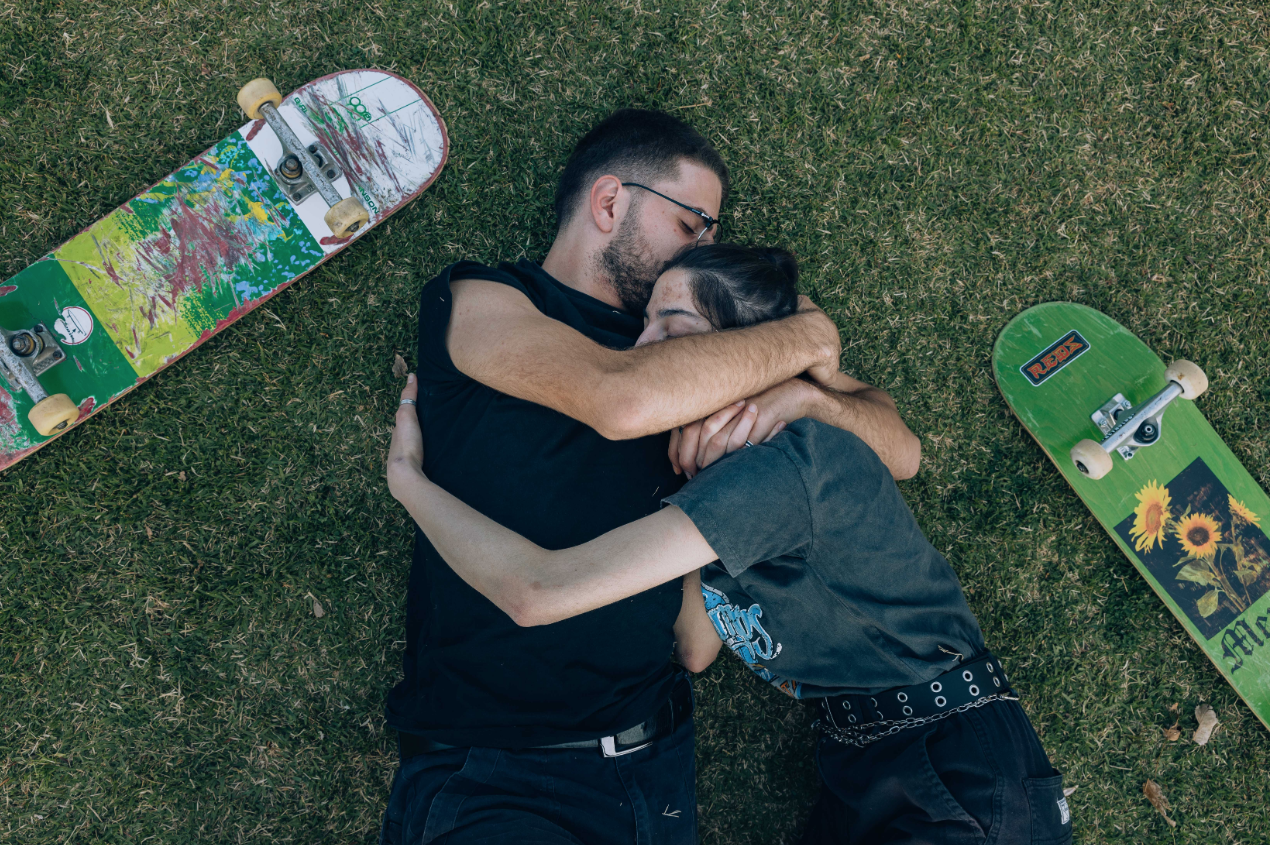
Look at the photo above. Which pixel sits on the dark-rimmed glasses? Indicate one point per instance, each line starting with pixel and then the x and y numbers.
pixel 710 222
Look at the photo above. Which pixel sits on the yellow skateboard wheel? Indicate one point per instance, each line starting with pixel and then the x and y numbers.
pixel 1090 458
pixel 346 217
pixel 53 414
pixel 255 94
pixel 1189 377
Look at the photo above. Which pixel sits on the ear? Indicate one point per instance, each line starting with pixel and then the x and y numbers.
pixel 608 203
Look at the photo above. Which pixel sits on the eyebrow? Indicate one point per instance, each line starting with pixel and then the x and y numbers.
pixel 671 312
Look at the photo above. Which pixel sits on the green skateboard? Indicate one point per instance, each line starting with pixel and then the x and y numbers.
pixel 308 175
pixel 1123 430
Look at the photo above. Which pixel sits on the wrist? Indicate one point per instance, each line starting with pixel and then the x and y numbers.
pixel 403 475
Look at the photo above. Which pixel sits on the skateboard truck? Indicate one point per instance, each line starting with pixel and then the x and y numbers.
pixel 295 180
pixel 24 356
pixel 301 170
pixel 1127 429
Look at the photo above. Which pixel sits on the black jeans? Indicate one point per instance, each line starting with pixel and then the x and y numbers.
pixel 546 796
pixel 973 778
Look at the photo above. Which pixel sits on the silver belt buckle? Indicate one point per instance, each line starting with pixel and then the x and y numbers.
pixel 608 745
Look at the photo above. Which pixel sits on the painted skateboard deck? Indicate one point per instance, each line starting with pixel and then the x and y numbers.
pixel 170 268
pixel 1183 509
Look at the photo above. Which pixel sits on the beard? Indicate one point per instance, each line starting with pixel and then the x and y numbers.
pixel 629 268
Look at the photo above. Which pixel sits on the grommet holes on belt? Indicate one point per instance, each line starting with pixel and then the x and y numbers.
pixel 974 690
pixel 902 696
pixel 940 701
pixel 966 676
pixel 936 687
pixel 989 665
pixel 908 711
pixel 851 719
pixel 996 681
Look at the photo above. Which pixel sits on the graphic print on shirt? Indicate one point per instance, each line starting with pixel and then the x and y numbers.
pixel 741 631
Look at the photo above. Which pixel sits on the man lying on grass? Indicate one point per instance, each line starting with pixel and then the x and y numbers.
pixel 815 574
pixel 538 412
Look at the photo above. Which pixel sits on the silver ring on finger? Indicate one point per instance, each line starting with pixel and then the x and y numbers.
pixel 408 402
pixel 748 443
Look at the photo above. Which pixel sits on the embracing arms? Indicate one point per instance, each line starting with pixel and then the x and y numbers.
pixel 533 585
pixel 497 337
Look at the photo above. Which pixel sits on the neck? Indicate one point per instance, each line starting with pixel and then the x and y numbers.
pixel 571 261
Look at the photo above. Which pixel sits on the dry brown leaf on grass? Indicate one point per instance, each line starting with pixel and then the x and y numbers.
pixel 1067 793
pixel 1155 795
pixel 318 610
pixel 1207 718
pixel 1173 734
pixel 1173 707
pixel 399 368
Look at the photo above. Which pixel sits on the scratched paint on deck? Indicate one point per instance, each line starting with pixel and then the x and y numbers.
pixel 209 243
pixel 168 266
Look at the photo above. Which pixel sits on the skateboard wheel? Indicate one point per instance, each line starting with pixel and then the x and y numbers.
pixel 346 217
pixel 255 94
pixel 53 414
pixel 1189 377
pixel 1090 458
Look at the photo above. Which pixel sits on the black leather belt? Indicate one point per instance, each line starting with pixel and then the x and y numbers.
pixel 958 687
pixel 669 717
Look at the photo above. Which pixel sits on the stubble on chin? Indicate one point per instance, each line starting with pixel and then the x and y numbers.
pixel 625 262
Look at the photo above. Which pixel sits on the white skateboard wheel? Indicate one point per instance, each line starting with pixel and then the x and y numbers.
pixel 346 217
pixel 53 414
pixel 255 94
pixel 1189 377
pixel 1090 458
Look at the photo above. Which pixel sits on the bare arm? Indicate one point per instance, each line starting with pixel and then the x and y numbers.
pixel 533 585
pixel 696 641
pixel 536 586
pixel 844 402
pixel 499 338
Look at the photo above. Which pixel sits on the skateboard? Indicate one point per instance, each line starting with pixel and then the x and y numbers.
pixel 304 178
pixel 1124 431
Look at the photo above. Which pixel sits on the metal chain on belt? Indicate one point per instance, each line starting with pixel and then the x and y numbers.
pixel 855 734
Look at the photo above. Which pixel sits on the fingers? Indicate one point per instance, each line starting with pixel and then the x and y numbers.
pixel 730 438
pixel 407 438
pixel 744 428
pixel 713 425
pixel 688 444
pixel 676 434
pixel 777 429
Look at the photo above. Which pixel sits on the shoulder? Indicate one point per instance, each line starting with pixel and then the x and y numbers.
pixel 821 451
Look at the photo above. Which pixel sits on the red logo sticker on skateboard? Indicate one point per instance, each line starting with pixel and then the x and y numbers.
pixel 1059 354
pixel 74 326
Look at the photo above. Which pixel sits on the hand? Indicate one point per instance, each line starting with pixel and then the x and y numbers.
pixel 823 371
pixel 405 453
pixel 698 444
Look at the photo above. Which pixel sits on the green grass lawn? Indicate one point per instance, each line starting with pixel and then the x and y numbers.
pixel 937 166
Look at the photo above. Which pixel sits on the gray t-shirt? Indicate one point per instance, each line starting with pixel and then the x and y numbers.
pixel 825 583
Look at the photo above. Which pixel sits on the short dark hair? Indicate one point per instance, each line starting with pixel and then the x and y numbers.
pixel 637 145
pixel 736 286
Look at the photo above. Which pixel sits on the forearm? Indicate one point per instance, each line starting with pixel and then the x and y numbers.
pixel 871 415
pixel 696 641
pixel 663 385
pixel 492 559
pixel 536 586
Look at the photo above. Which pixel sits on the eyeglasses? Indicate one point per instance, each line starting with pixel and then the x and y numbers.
pixel 710 222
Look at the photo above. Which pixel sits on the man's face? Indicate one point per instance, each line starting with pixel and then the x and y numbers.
pixel 654 230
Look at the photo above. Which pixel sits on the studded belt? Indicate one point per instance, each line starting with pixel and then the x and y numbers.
pixel 861 719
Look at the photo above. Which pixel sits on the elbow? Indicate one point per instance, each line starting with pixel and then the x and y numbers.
pixel 694 662
pixel 622 415
pixel 527 605
pixel 910 457
pixel 696 658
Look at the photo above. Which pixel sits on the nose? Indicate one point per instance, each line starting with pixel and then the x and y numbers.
pixel 651 334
